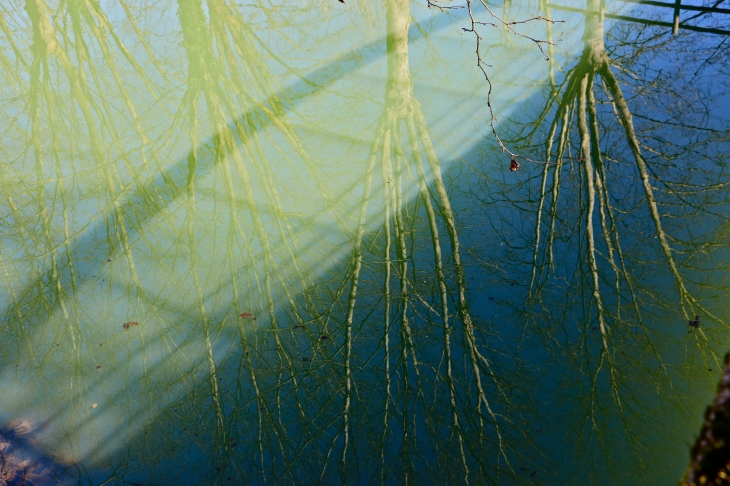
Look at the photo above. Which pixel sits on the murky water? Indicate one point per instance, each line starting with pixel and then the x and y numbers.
pixel 281 242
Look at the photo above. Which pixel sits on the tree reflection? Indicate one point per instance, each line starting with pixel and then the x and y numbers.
pixel 299 319
pixel 298 405
pixel 607 293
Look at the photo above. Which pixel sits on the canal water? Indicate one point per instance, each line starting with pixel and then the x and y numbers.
pixel 383 242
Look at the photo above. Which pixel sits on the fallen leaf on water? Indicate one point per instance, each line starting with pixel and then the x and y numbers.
pixel 246 315
pixel 94 405
pixel 129 324
pixel 98 367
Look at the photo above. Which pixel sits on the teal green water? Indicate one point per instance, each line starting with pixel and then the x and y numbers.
pixel 281 243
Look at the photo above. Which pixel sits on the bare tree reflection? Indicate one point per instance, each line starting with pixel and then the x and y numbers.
pixel 294 331
pixel 617 271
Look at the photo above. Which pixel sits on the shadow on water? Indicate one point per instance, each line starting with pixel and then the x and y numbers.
pixel 125 222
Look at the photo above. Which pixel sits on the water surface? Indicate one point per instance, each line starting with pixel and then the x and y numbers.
pixel 281 242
